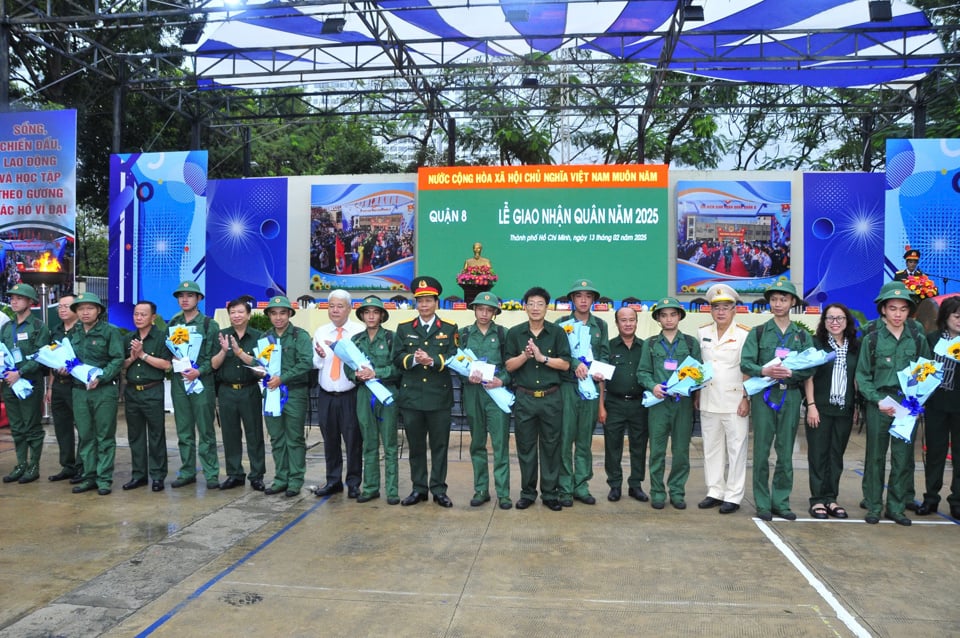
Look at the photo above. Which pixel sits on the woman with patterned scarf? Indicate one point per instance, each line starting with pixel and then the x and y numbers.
pixel 943 416
pixel 830 402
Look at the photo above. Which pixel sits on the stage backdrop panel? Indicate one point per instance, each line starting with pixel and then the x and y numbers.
pixel 733 232
pixel 923 208
pixel 158 229
pixel 246 239
pixel 843 217
pixel 547 226
pixel 38 154
pixel 361 237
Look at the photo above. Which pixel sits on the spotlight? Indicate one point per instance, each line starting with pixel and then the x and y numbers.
pixel 880 11
pixel 193 32
pixel 333 25
pixel 692 13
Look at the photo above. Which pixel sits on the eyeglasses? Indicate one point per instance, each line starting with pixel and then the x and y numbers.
pixel 722 306
pixel 839 319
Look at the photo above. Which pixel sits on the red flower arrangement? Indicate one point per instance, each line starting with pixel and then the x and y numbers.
pixel 921 286
pixel 477 276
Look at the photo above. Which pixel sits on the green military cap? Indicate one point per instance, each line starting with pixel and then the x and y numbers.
pixel 86 297
pixel 895 290
pixel 280 302
pixel 188 286
pixel 486 299
pixel 584 284
pixel 668 302
pixel 425 287
pixel 372 301
pixel 781 285
pixel 24 290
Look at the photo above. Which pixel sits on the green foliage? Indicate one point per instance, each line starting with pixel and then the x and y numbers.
pixel 260 321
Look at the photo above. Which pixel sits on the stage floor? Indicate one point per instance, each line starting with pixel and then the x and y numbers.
pixel 236 563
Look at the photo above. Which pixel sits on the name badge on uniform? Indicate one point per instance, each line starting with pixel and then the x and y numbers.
pixel 670 364
pixel 17 355
pixel 22 336
pixel 782 352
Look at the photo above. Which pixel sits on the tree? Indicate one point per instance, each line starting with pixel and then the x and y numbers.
pixel 92 245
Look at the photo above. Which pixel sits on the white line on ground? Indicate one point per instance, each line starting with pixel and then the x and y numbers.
pixel 843 615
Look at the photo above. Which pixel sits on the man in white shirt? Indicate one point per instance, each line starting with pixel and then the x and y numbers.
pixel 338 399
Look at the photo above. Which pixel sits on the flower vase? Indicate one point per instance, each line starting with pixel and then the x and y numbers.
pixel 470 291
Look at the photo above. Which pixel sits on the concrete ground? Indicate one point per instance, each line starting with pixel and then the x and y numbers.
pixel 237 563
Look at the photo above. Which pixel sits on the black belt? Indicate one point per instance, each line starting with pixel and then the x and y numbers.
pixel 100 384
pixel 144 386
pixel 538 394
pixel 64 379
pixel 625 397
pixel 241 386
pixel 336 394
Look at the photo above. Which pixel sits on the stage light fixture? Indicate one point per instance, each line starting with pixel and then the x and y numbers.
pixel 692 13
pixel 193 32
pixel 333 25
pixel 881 11
pixel 529 83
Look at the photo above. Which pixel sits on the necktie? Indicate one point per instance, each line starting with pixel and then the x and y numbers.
pixel 335 370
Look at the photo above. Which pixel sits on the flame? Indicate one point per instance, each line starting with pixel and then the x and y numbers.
pixel 46 262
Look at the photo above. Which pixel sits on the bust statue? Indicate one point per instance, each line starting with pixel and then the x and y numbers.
pixel 476 260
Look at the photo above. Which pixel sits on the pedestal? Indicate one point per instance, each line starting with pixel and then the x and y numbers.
pixel 470 292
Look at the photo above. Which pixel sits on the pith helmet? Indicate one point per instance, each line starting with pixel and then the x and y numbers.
pixel 87 297
pixel 781 285
pixel 188 286
pixel 668 302
pixel 372 301
pixel 486 299
pixel 24 290
pixel 585 285
pixel 281 302
pixel 895 290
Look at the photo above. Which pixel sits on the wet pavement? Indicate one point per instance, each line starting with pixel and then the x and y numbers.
pixel 194 561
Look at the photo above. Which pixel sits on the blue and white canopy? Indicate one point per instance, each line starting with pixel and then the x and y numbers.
pixel 823 43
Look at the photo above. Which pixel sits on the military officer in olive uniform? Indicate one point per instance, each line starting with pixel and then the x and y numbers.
pixel 60 398
pixel 486 340
pixel 537 353
pixel 194 413
pixel 146 366
pixel 96 343
pixel 23 336
pixel 240 399
pixel 378 422
pixel 287 438
pixel 912 259
pixel 621 411
pixel 776 410
pixel 579 414
pixel 662 355
pixel 421 349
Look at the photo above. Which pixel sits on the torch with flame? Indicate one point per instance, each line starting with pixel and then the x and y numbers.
pixel 47 262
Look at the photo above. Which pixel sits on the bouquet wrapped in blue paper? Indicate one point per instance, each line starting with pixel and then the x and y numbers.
pixel 185 342
pixel 917 382
pixel 269 355
pixel 22 388
pixel 351 355
pixel 578 336
pixel 463 364
pixel 948 348
pixel 809 358
pixel 689 377
pixel 60 355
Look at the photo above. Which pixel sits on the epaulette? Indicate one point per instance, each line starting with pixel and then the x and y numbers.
pixel 745 327
pixel 706 325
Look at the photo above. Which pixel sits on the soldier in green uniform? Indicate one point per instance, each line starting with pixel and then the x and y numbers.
pixel 60 398
pixel 286 431
pixel 23 336
pixel 240 399
pixel 486 340
pixel 194 413
pixel 146 366
pixel 776 411
pixel 537 353
pixel 378 422
pixel 421 348
pixel 580 414
pixel 662 355
pixel 883 353
pixel 621 412
pixel 96 343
